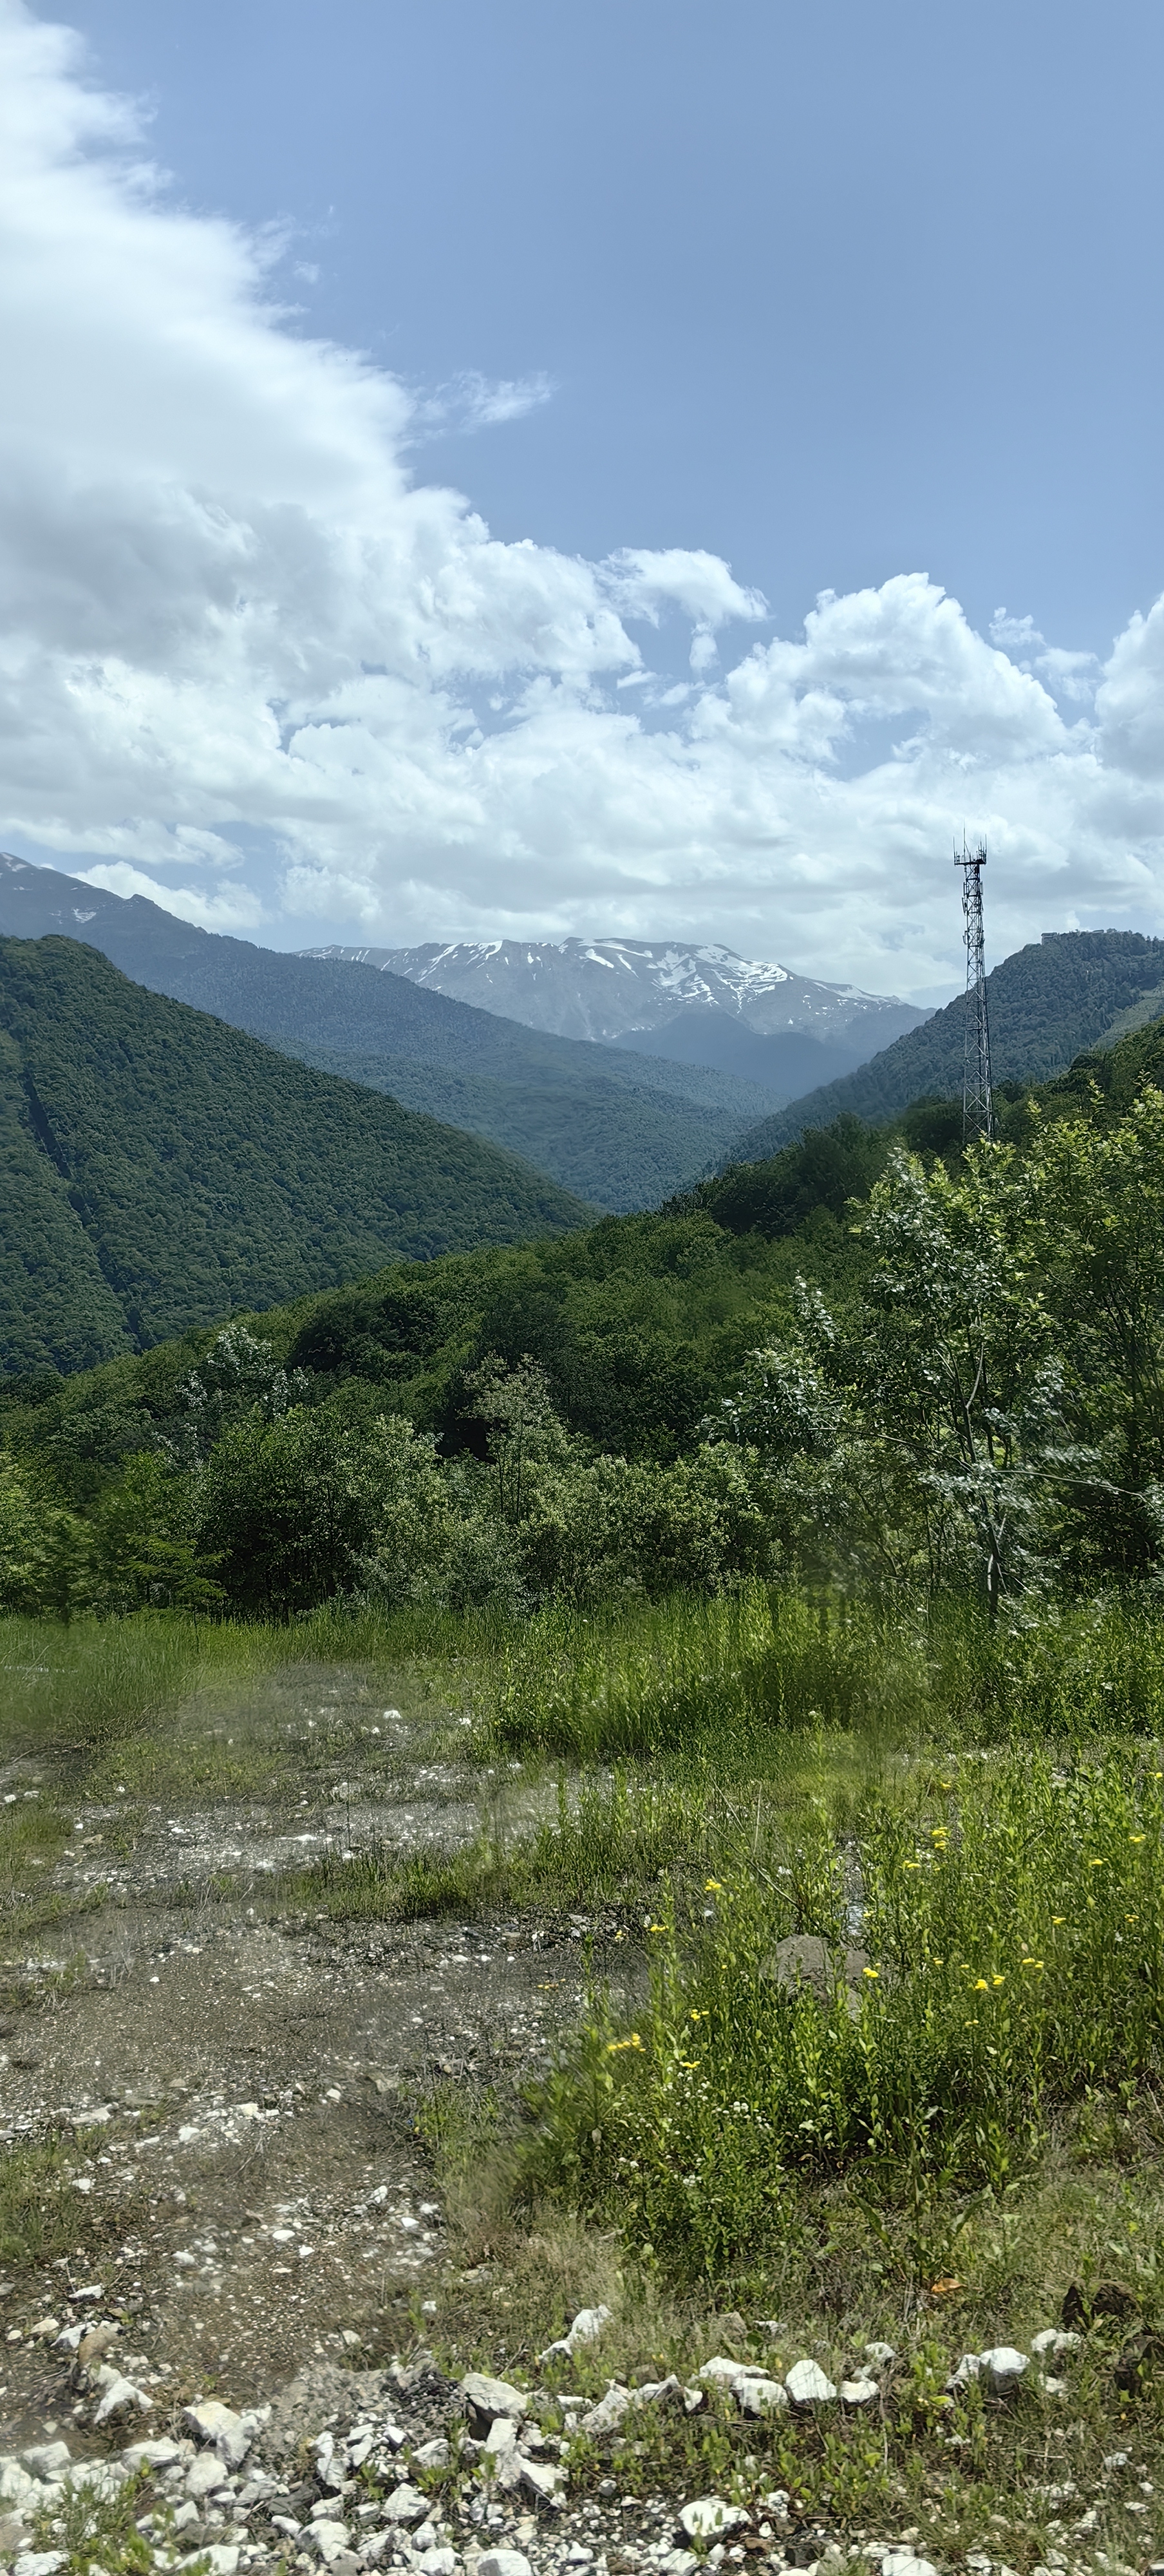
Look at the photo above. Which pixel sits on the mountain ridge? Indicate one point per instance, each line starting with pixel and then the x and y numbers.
pixel 695 1002
pixel 604 1126
pixel 1048 1003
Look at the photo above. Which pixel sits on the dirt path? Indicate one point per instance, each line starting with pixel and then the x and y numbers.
pixel 239 2087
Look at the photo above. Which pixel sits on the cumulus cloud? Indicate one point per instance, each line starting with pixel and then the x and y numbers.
pixel 235 616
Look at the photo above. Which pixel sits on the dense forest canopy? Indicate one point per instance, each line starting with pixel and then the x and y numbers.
pixel 873 1359
pixel 161 1169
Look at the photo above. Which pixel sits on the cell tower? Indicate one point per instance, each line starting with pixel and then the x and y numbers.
pixel 977 1102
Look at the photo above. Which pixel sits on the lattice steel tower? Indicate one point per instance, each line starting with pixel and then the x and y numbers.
pixel 977 1102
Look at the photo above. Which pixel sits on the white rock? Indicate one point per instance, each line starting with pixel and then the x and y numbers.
pixel 1004 2364
pixel 229 2434
pixel 493 2397
pixel 39 2562
pixel 679 2562
pixel 755 2396
pixel 967 2368
pixel 437 2562
pixel 16 2486
pixel 406 2504
pixel 104 2478
pixel 431 2455
pixel 221 2557
pixel 709 2518
pixel 586 2328
pixel 151 2455
pixel 1052 2339
pixel 501 2437
pixel 121 2397
pixel 658 2392
pixel 882 2353
pixel 860 2392
pixel 48 2459
pixel 609 2412
pixel 503 2562
pixel 544 2483
pixel 901 2562
pixel 326 2539
pixel 204 2474
pixel 719 2367
pixel 808 2385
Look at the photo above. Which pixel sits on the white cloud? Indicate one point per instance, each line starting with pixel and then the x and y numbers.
pixel 235 911
pixel 230 611
pixel 473 402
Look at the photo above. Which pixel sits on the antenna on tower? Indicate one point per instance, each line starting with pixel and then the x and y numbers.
pixel 977 1101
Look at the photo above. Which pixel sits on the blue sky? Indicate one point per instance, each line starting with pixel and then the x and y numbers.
pixel 836 297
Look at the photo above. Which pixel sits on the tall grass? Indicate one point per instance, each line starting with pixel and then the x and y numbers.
pixel 1014 1917
pixel 724 1677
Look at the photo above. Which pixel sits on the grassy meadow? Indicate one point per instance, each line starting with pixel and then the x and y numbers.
pixel 931 2151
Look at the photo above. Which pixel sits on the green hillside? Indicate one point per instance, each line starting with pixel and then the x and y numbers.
pixel 1047 1003
pixel 161 1169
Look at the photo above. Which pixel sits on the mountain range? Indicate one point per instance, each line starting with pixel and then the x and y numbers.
pixel 694 1005
pixel 603 1124
pixel 1069 991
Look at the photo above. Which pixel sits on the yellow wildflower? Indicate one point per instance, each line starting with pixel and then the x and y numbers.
pixel 1137 1838
pixel 980 1986
pixel 713 1887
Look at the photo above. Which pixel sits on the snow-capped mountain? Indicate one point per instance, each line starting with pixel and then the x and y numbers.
pixel 702 1005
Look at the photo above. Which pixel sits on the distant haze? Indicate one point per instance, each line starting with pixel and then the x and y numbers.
pixel 695 1005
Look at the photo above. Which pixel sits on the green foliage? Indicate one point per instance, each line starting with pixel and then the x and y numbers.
pixel 162 1168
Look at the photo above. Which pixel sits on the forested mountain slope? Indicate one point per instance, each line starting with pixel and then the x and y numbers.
pixel 617 1131
pixel 1047 1003
pixel 160 1169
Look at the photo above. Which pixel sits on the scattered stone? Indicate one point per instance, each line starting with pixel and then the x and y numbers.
pixel 120 2396
pixel 860 2392
pixel 545 2484
pixel 44 2330
pixel 152 2455
pixel 719 2367
pixel 16 2486
pixel 431 2455
pixel 586 2328
pixel 94 2343
pixel 755 2396
pixel 882 2353
pixel 39 2562
pixel 1004 2365
pixel 326 2538
pixel 406 2504
pixel 503 2562
pixel 48 2459
pixel 229 2434
pixel 902 2562
pixel 1049 2339
pixel 488 2398
pixel 203 2475
pixel 609 2412
pixel 808 2385
pixel 709 2518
